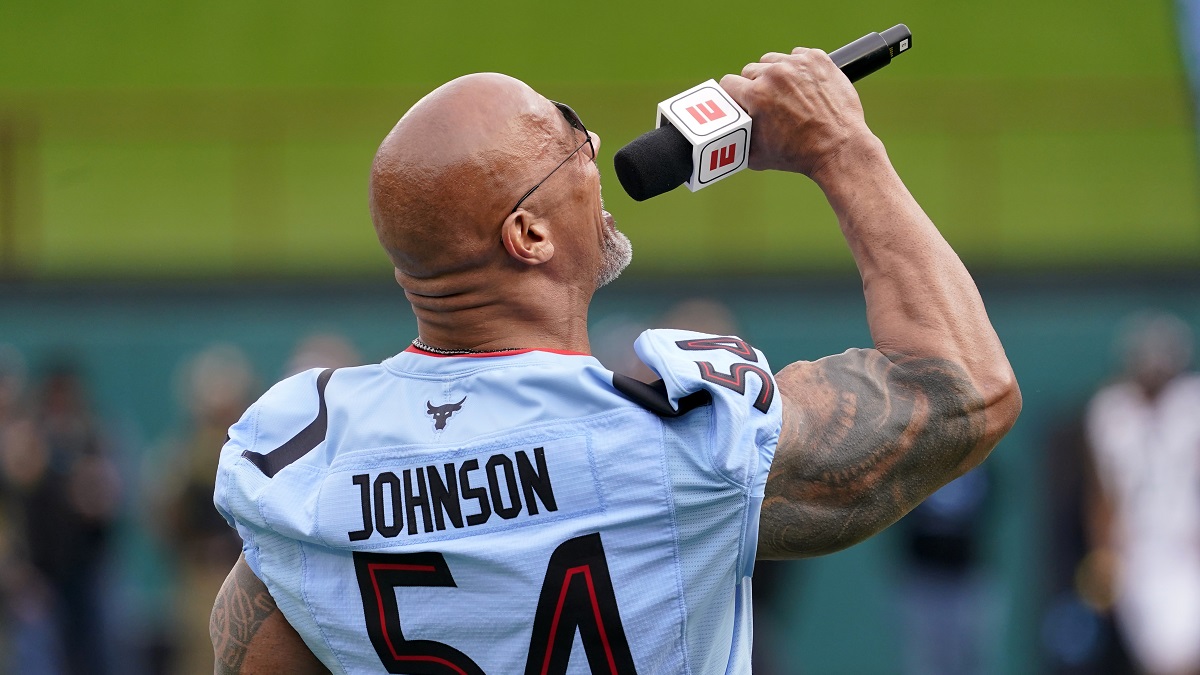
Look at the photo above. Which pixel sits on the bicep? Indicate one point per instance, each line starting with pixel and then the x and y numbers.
pixel 250 635
pixel 865 438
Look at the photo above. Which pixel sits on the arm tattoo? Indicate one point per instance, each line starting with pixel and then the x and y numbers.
pixel 241 608
pixel 864 440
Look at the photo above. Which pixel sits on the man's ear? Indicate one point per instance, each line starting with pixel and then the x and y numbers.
pixel 527 239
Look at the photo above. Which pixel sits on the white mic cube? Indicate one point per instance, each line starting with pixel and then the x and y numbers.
pixel 717 128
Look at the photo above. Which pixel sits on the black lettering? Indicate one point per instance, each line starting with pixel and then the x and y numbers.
pixel 510 477
pixel 363 481
pixel 387 478
pixel 535 482
pixel 419 500
pixel 479 494
pixel 443 497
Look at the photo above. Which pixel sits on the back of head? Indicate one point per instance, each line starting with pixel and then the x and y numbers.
pixel 445 189
pixel 445 177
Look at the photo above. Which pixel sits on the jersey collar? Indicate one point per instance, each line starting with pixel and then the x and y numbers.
pixel 413 349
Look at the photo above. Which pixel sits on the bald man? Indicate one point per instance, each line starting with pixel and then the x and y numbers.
pixel 493 500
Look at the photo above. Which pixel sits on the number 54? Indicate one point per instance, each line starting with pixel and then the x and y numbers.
pixel 577 594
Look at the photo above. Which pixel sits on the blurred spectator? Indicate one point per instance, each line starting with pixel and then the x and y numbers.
pixel 215 387
pixel 1143 508
pixel 612 344
pixel 25 605
pixel 36 644
pixel 1077 638
pixel 947 599
pixel 322 350
pixel 62 498
pixel 12 383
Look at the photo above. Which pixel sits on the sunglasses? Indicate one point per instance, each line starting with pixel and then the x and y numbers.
pixel 572 119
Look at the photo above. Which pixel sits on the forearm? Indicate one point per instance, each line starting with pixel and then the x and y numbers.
pixel 870 433
pixel 249 634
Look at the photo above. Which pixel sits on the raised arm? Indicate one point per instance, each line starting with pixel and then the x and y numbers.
pixel 870 433
pixel 250 635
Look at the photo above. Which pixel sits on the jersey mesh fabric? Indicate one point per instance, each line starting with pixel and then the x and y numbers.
pixel 674 502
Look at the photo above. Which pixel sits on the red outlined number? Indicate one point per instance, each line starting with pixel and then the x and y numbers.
pixel 736 346
pixel 577 596
pixel 735 379
pixel 379 574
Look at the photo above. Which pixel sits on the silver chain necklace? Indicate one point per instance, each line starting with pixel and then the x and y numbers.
pixel 457 352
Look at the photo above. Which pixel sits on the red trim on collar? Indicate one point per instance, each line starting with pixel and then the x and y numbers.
pixel 483 355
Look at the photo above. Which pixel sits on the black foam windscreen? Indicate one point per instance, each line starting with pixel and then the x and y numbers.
pixel 658 161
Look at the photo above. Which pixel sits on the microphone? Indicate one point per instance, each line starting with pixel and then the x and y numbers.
pixel 703 135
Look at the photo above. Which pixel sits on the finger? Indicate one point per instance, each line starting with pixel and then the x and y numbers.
pixel 737 87
pixel 799 50
pixel 816 55
pixel 753 70
pixel 772 57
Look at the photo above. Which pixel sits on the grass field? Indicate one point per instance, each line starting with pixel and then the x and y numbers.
pixel 233 139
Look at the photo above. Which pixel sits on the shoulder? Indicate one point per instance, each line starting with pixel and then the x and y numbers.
pixel 296 402
pixel 1182 397
pixel 280 428
pixel 1186 386
pixel 725 366
pixel 290 419
pixel 287 407
pixel 746 413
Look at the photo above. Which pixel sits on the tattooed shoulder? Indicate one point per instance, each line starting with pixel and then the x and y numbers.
pixel 241 608
pixel 865 438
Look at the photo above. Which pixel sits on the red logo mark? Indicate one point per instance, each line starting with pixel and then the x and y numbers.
pixel 722 156
pixel 711 112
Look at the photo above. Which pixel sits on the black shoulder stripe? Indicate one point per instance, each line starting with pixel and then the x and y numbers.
pixel 300 444
pixel 653 396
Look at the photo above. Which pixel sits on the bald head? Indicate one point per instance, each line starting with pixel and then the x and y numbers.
pixel 446 176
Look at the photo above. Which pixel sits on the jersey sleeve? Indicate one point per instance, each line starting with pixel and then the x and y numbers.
pixel 747 411
pixel 246 493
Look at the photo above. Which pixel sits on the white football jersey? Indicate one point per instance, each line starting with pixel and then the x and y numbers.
pixel 516 512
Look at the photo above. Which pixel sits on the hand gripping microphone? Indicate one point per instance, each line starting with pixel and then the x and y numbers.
pixel 703 135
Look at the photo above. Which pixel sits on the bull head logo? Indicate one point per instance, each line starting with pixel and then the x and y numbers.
pixel 441 413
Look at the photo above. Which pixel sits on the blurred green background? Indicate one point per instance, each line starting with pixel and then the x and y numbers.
pixel 151 140
pixel 174 176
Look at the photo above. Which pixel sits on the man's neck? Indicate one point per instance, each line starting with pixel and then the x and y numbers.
pixel 498 328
